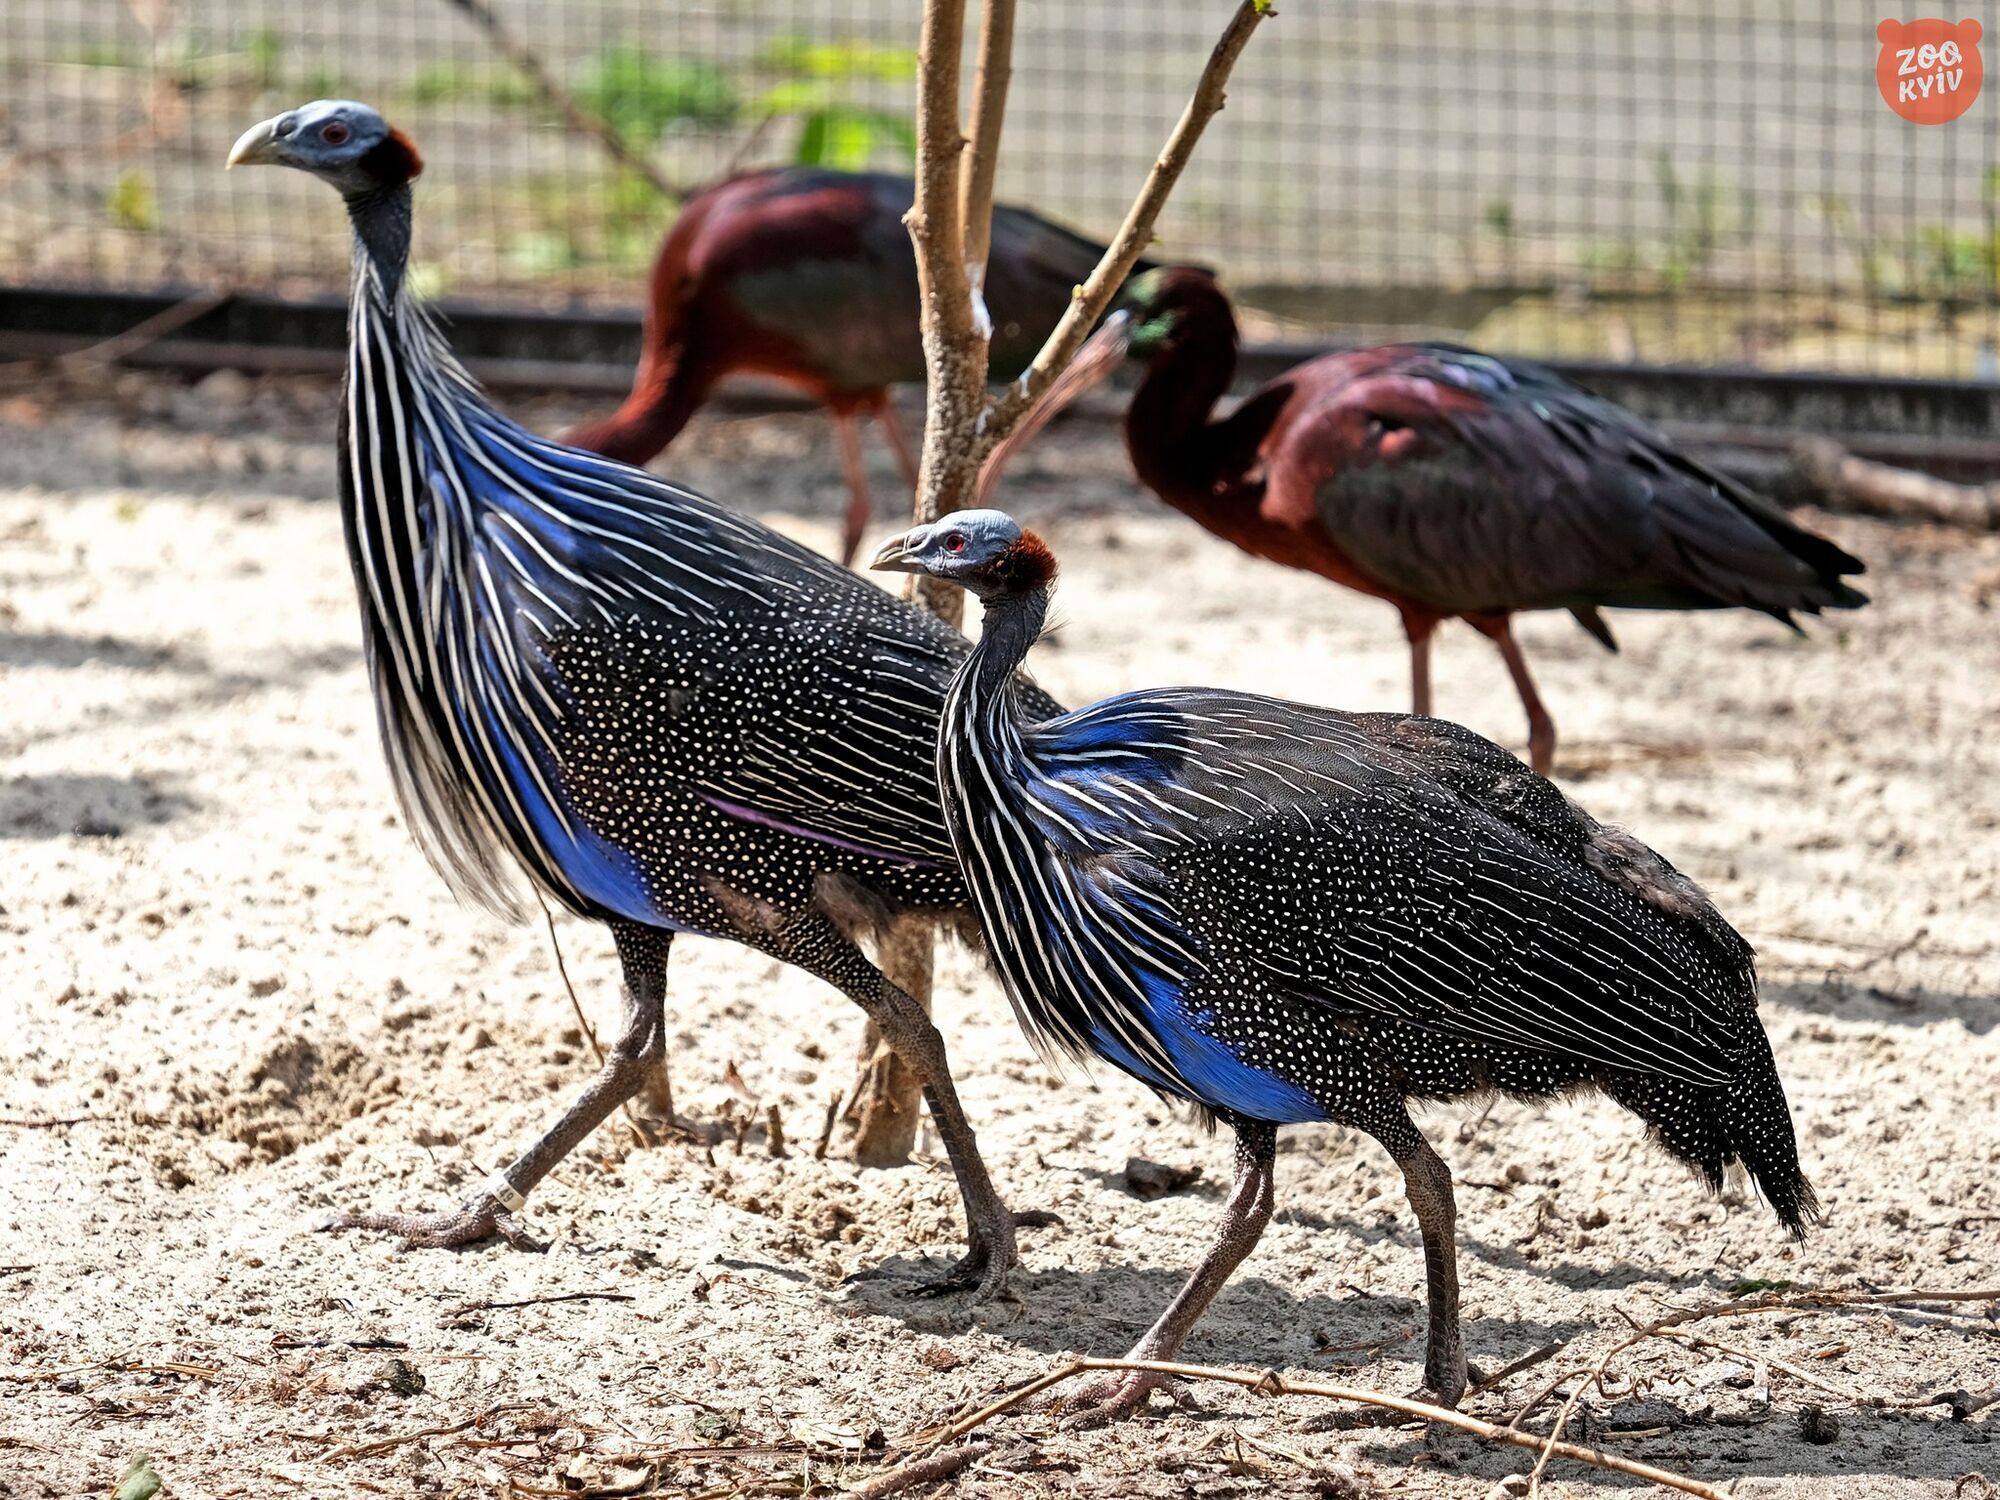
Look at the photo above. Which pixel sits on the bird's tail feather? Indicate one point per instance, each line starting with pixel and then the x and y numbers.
pixel 1746 1120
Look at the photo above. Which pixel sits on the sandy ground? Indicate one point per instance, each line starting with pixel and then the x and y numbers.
pixel 235 998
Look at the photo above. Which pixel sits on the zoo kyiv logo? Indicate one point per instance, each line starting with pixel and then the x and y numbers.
pixel 1929 71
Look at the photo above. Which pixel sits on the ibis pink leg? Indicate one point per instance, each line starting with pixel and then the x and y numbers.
pixel 1541 728
pixel 860 505
pixel 899 441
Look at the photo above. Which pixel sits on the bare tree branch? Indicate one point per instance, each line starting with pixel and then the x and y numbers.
pixel 982 149
pixel 1136 233
pixel 950 224
pixel 953 343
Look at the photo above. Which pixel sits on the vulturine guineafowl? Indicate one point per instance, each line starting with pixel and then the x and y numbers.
pixel 1283 913
pixel 666 716
pixel 807 275
pixel 1449 483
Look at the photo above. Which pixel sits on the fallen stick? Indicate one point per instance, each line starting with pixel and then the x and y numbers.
pixel 926 1470
pixel 473 1307
pixel 383 1445
pixel 1860 484
pixel 1271 1383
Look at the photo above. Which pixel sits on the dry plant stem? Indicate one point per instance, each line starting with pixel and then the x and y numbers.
pixel 383 1445
pixel 1804 1377
pixel 1594 1380
pixel 1271 1383
pixel 1826 1301
pixel 473 1307
pixel 921 1471
pixel 590 1032
pixel 1135 234
pixel 581 120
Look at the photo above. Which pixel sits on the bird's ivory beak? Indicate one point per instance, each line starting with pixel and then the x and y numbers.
pixel 1101 353
pixel 896 554
pixel 257 146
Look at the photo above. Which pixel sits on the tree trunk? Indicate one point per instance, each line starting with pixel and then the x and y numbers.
pixel 950 223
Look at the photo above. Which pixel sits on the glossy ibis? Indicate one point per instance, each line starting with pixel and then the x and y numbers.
pixel 806 275
pixel 1451 484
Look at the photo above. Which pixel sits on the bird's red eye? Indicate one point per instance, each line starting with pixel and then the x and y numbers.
pixel 334 133
pixel 954 543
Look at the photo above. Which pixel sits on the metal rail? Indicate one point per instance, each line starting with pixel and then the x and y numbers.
pixel 1950 427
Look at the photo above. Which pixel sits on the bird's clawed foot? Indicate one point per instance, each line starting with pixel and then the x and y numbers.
pixel 983 1270
pixel 1445 1382
pixel 1111 1397
pixel 482 1217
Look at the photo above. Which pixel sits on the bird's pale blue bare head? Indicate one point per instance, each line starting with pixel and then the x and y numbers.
pixel 345 144
pixel 987 551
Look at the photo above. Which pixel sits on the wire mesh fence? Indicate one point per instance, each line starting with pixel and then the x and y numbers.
pixel 1692 182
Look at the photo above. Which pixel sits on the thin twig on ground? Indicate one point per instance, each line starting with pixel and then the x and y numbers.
pixel 929 1469
pixel 1527 1361
pixel 473 1307
pixel 384 1445
pixel 1271 1383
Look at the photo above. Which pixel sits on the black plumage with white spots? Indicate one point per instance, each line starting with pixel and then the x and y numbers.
pixel 1284 913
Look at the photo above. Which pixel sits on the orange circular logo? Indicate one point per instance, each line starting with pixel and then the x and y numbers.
pixel 1929 71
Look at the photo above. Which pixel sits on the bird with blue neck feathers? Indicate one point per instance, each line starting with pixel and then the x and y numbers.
pixel 654 712
pixel 1281 913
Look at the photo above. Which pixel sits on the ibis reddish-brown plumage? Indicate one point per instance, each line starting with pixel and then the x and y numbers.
pixel 807 276
pixel 1449 483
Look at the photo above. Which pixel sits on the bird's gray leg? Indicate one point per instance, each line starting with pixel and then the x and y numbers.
pixel 642 951
pixel 1541 728
pixel 860 505
pixel 814 944
pixel 1420 631
pixel 899 440
pixel 1427 1181
pixel 1243 1219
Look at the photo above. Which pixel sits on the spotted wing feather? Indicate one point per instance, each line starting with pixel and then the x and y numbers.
pixel 1391 868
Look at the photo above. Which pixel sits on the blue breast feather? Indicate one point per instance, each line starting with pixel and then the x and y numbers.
pixel 493 698
pixel 1079 765
pixel 1210 1071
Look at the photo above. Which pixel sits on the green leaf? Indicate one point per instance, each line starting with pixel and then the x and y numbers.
pixel 640 95
pixel 795 96
pixel 811 149
pixel 132 203
pixel 138 1481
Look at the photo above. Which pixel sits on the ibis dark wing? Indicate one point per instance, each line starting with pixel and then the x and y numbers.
pixel 1031 272
pixel 1476 485
pixel 827 264
pixel 1398 867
